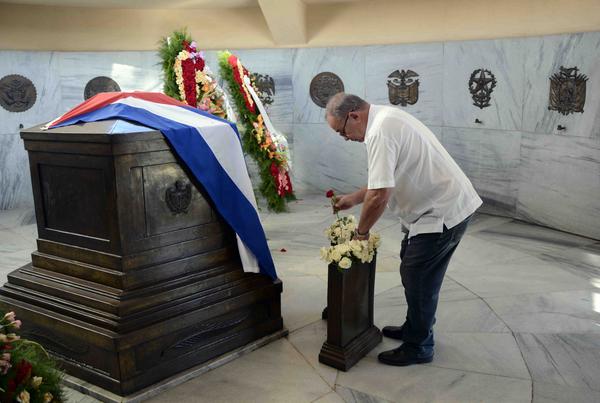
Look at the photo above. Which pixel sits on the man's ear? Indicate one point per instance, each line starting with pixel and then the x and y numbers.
pixel 354 115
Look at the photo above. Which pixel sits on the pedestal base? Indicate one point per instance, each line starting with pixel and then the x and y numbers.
pixel 108 397
pixel 351 333
pixel 343 358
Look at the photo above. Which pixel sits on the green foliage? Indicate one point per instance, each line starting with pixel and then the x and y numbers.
pixel 268 186
pixel 168 50
pixel 44 366
pixel 28 362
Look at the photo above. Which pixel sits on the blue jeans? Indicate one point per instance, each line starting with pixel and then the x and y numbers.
pixel 425 258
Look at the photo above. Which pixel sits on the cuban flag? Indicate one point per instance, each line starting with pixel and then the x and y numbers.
pixel 209 146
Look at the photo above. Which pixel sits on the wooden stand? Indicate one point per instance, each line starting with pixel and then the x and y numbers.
pixel 350 330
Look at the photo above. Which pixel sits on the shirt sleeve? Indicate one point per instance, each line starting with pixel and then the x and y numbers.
pixel 382 154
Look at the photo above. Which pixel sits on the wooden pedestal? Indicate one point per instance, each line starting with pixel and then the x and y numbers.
pixel 350 330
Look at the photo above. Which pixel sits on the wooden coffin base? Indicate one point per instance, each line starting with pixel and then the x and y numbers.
pixel 156 389
pixel 123 360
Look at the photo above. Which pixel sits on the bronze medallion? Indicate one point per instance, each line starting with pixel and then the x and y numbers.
pixel 403 87
pixel 481 86
pixel 567 91
pixel 17 93
pixel 265 87
pixel 179 197
pixel 100 84
pixel 323 86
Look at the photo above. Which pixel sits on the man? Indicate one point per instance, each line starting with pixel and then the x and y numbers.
pixel 409 170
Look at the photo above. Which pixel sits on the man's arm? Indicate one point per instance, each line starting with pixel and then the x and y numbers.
pixel 348 201
pixel 375 201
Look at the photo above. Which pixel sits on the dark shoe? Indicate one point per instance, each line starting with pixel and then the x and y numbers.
pixel 401 358
pixel 393 332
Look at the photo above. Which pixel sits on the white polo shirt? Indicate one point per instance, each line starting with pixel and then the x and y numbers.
pixel 430 189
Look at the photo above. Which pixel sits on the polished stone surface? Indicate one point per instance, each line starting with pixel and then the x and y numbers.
pixel 504 58
pixel 545 57
pixel 518 318
pixel 522 166
pixel 491 160
pixel 424 59
pixel 559 182
pixel 348 63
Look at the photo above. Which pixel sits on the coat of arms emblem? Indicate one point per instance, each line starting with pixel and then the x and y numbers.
pixel 567 91
pixel 17 93
pixel 179 197
pixel 265 87
pixel 323 86
pixel 100 84
pixel 481 84
pixel 403 87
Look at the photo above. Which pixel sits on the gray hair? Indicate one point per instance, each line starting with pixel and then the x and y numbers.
pixel 341 104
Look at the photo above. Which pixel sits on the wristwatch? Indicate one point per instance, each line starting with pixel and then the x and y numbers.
pixel 361 234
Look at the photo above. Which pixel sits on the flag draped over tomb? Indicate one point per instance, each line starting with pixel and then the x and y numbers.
pixel 209 147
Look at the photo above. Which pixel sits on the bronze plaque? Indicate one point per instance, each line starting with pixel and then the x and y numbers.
pixel 481 85
pixel 100 84
pixel 265 87
pixel 323 86
pixel 403 87
pixel 567 91
pixel 172 202
pixel 17 93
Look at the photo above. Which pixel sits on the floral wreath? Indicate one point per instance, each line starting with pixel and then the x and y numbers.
pixel 188 78
pixel 268 147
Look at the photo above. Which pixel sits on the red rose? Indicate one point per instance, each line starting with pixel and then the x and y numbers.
pixel 329 194
pixel 23 372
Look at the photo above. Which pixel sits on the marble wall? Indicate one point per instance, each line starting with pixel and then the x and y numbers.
pixel 516 157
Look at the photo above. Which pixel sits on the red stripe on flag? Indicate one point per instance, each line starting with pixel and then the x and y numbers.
pixel 105 98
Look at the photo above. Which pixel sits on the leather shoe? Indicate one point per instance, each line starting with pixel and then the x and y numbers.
pixel 393 332
pixel 401 358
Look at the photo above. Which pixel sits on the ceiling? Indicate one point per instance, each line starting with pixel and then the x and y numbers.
pixel 158 4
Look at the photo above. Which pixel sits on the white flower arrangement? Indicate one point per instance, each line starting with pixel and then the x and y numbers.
pixel 344 250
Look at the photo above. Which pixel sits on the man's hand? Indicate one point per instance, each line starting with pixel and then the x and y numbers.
pixel 348 201
pixel 344 203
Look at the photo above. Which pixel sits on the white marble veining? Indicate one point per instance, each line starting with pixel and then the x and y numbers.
pixel 559 183
pixel 490 159
pixel 424 59
pixel 553 393
pixel 348 63
pixel 427 383
pixel 131 70
pixel 277 63
pixel 504 58
pixel 323 160
pixel 550 312
pixel 42 68
pixel 15 178
pixel 487 353
pixel 531 239
pixel 582 261
pixel 564 359
pixel 520 276
pixel 487 348
pixel 545 56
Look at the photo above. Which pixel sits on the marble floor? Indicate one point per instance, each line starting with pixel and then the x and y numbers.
pixel 518 319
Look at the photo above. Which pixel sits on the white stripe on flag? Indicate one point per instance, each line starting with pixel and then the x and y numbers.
pixel 225 145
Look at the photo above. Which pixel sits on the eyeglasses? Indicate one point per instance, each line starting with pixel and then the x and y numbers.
pixel 343 131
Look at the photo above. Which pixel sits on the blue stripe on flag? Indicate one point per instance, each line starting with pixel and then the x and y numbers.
pixel 193 150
